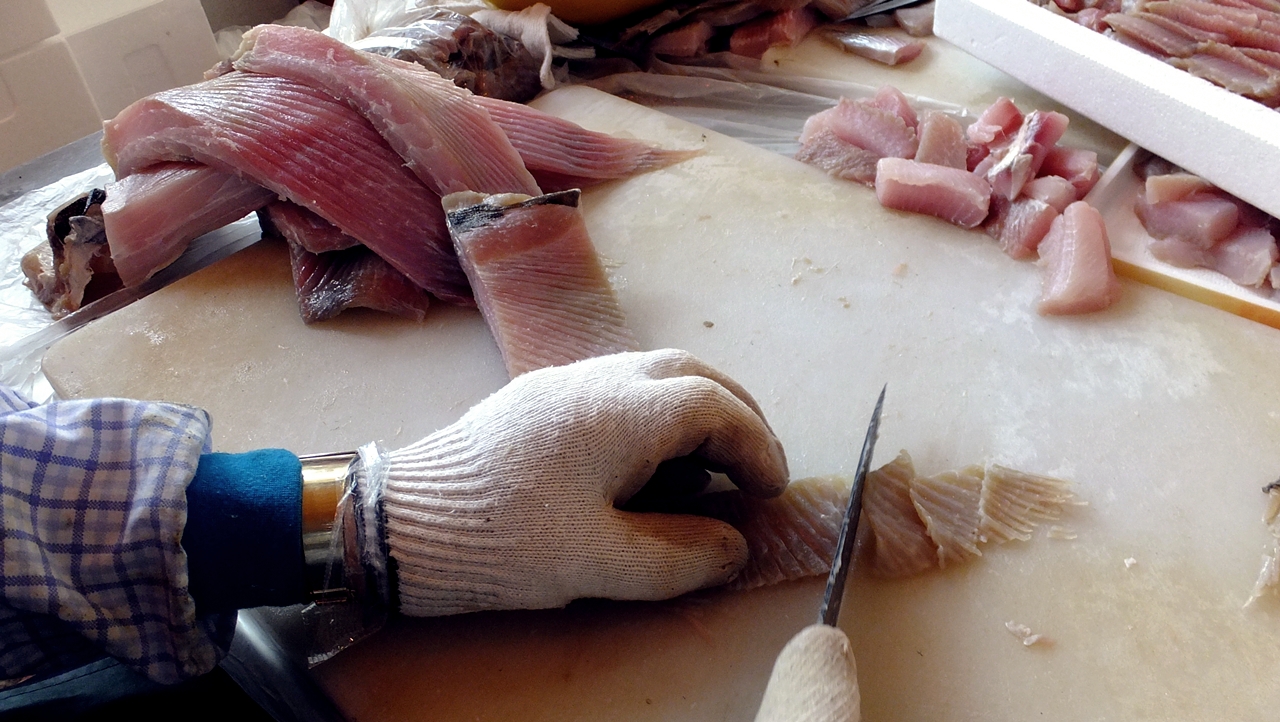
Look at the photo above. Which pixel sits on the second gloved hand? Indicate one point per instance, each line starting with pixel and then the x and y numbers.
pixel 513 506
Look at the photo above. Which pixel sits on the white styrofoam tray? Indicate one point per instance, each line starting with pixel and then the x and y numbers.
pixel 1228 139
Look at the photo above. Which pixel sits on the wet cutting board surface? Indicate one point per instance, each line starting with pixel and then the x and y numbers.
pixel 1164 414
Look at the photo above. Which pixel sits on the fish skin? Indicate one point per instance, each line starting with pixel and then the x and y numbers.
pixel 448 141
pixel 303 228
pixel 948 503
pixel 329 283
pixel 304 146
pixel 153 215
pixel 537 279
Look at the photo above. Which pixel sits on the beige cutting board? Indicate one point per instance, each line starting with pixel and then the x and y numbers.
pixel 1165 414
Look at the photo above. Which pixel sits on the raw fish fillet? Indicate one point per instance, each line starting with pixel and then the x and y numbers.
pixel 889 98
pixel 1075 257
pixel 537 279
pixel 1164 41
pixel 1000 120
pixel 683 42
pixel 942 141
pixel 303 228
pixel 1231 69
pixel 1173 187
pixel 785 28
pixel 866 126
pixel 571 156
pixel 153 215
pixel 449 141
pixel 793 536
pixel 1246 256
pixel 884 48
pixel 954 195
pixel 331 282
pixel 917 20
pixel 305 146
pixel 1202 221
pixel 1019 226
pixel 1077 165
pixel 1021 161
pixel 1054 190
pixel 839 158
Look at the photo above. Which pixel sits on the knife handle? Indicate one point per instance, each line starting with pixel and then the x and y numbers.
pixel 814 680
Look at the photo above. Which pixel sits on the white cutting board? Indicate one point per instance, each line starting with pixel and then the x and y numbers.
pixel 1164 413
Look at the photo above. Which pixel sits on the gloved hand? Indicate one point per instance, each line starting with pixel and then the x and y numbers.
pixel 513 506
pixel 814 680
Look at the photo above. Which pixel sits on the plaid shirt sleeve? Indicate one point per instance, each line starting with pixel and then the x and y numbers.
pixel 94 505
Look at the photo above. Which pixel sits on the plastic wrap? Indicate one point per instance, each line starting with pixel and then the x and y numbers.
pixel 353 20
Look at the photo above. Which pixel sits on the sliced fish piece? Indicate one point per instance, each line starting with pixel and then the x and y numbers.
pixel 892 538
pixel 1075 257
pixel 685 41
pixel 954 195
pixel 889 98
pixel 1019 226
pixel 1054 190
pixel 1199 220
pixel 942 141
pixel 788 28
pixel 1077 165
pixel 305 146
pixel 1164 41
pixel 1021 161
pixel 839 158
pixel 1014 503
pixel 1173 187
pixel 303 228
pixel 999 121
pixel 448 141
pixel 948 505
pixel 917 20
pixel 875 129
pixel 885 47
pixel 537 279
pixel 1246 256
pixel 329 283
pixel 151 216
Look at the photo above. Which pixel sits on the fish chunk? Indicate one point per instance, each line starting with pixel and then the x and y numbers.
pixel 1077 165
pixel 303 228
pixel 1019 226
pixel 1202 221
pixel 954 195
pixel 999 121
pixel 858 122
pixel 1054 190
pixel 887 48
pixel 684 42
pixel 1075 258
pixel 1246 256
pixel 917 20
pixel 839 158
pixel 1021 161
pixel 788 28
pixel 447 140
pixel 152 216
pixel 537 279
pixel 1173 187
pixel 942 141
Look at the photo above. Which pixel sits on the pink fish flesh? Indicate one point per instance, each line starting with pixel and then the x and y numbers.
pixel 305 229
pixel 302 145
pixel 1075 259
pixel 683 42
pixel 1020 225
pixel 866 126
pixel 889 98
pixel 788 28
pixel 941 141
pixel 917 20
pixel 1092 18
pixel 1077 165
pixel 562 154
pixel 1202 221
pixel 1164 41
pixel 153 215
pixel 1229 68
pixel 537 279
pixel 884 48
pixel 1054 190
pixel 839 158
pixel 450 142
pixel 330 282
pixel 1173 187
pixel 1246 256
pixel 1021 161
pixel 954 195
pixel 999 121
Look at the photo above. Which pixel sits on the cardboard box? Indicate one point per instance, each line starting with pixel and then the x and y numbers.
pixel 44 103
pixel 128 49
pixel 24 23
pixel 1232 141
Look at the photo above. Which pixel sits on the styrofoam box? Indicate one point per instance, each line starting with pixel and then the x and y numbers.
pixel 127 49
pixel 44 103
pixel 24 23
pixel 1232 141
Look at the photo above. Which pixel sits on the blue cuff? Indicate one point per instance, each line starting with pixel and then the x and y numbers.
pixel 244 531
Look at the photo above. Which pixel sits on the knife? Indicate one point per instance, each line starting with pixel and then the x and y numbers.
pixel 814 677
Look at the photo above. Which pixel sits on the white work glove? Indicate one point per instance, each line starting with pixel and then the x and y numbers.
pixel 814 680
pixel 513 506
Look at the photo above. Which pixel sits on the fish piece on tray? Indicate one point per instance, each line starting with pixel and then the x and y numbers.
pixel 537 278
pixel 794 536
pixel 1075 258
pixel 954 195
pixel 305 146
pixel 449 141
pixel 152 216
pixel 887 48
